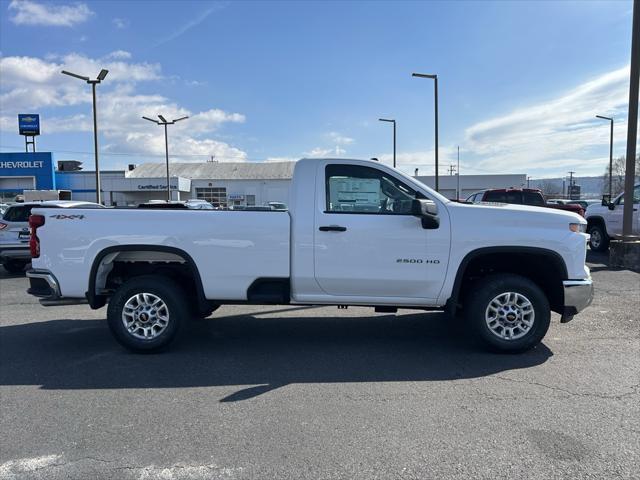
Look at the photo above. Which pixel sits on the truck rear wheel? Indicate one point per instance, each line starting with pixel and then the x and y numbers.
pixel 146 312
pixel 510 313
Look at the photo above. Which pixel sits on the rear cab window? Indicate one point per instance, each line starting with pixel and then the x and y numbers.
pixel 503 197
pixel 533 198
pixel 18 213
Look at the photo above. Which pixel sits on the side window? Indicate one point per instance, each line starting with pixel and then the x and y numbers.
pixel 636 196
pixel 357 189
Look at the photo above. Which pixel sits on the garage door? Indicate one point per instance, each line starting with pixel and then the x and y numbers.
pixel 17 183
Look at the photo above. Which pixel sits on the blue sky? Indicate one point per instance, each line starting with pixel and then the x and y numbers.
pixel 519 82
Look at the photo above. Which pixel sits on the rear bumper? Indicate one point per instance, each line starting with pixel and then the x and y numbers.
pixel 578 295
pixel 44 285
pixel 15 252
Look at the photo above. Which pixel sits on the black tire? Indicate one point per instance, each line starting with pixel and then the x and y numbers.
pixel 489 288
pixel 173 308
pixel 599 240
pixel 15 266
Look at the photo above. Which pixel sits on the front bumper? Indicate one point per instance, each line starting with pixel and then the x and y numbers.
pixel 578 295
pixel 44 285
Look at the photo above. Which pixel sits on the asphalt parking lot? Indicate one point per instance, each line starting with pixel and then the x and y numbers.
pixel 290 392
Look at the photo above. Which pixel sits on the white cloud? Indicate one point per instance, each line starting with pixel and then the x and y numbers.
pixel 30 82
pixel 29 12
pixel 340 139
pixel 120 23
pixel 119 55
pixel 555 134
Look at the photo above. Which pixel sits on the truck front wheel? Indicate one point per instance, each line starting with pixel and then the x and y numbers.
pixel 598 240
pixel 510 313
pixel 146 312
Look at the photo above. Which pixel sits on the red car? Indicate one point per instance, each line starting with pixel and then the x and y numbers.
pixel 521 196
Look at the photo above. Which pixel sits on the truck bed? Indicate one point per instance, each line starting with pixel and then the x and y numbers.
pixel 231 249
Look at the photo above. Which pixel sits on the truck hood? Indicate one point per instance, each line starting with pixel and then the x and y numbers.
pixel 524 215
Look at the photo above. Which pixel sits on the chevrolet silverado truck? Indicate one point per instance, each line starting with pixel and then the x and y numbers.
pixel 604 221
pixel 356 233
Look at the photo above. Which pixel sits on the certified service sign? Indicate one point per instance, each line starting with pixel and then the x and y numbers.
pixel 29 124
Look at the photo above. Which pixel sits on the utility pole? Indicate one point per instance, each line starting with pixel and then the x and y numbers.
pixel 632 124
pixel 570 191
pixel 452 169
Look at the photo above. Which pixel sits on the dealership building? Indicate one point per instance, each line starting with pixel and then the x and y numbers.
pixel 222 184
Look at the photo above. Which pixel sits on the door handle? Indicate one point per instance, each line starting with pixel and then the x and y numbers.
pixel 333 228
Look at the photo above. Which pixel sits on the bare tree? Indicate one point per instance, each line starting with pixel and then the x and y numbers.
pixel 617 179
pixel 550 187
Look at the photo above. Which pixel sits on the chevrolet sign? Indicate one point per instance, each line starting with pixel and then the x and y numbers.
pixel 29 124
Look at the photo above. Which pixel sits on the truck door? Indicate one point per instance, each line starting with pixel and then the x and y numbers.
pixel 367 243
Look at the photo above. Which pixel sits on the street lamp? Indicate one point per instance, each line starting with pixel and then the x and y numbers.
pixel 394 137
pixel 163 121
pixel 610 154
pixel 93 83
pixel 435 91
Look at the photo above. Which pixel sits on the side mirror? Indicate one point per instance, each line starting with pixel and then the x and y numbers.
pixel 427 211
pixel 606 201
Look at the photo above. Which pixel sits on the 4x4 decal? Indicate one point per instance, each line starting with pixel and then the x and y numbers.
pixel 67 217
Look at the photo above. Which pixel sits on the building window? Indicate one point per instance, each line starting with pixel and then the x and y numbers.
pixel 214 195
pixel 251 200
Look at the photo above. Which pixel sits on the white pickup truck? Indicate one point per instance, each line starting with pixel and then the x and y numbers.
pixel 357 233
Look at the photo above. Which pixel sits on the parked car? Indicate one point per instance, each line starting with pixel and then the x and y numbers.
pixel 279 206
pixel 584 203
pixel 357 232
pixel 14 231
pixel 521 196
pixel 604 221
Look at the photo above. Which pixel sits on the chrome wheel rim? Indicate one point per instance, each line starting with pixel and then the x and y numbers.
pixel 145 316
pixel 510 316
pixel 596 238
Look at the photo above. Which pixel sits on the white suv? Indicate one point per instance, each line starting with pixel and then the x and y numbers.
pixel 605 220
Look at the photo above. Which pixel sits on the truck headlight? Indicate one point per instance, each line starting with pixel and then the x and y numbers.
pixel 578 227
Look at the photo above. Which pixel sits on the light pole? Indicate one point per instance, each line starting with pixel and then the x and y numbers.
pixel 163 121
pixel 435 92
pixel 93 83
pixel 610 154
pixel 394 137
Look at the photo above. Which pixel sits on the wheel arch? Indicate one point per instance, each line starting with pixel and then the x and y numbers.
pixel 166 254
pixel 597 220
pixel 475 257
